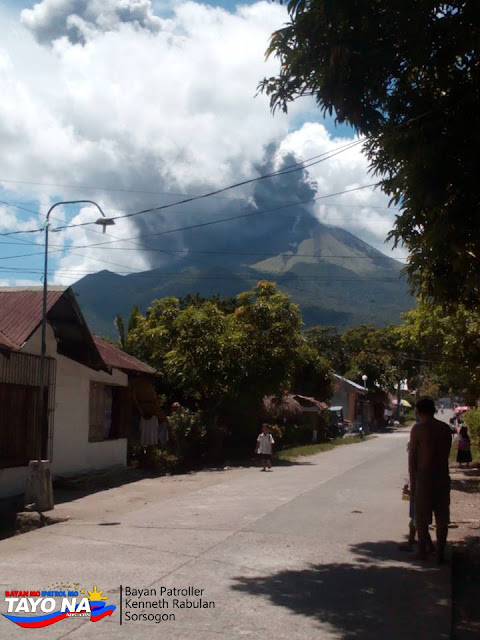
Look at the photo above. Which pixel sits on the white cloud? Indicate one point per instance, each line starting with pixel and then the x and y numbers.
pixel 81 20
pixel 19 282
pixel 9 221
pixel 139 103
pixel 75 264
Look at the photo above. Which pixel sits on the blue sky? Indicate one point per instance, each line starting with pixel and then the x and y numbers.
pixel 165 107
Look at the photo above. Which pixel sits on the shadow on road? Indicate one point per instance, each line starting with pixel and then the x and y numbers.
pixel 368 600
pixel 471 485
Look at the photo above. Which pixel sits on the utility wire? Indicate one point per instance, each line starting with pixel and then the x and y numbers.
pixel 130 240
pixel 213 193
pixel 140 191
pixel 216 253
pixel 231 276
pixel 214 222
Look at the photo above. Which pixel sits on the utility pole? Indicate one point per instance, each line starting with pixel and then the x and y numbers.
pixel 39 489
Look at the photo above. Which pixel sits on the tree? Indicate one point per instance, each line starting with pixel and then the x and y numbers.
pixel 199 361
pixel 406 74
pixel 312 376
pixel 448 345
pixel 329 344
pixel 219 359
pixel 155 333
pixel 123 332
pixel 196 300
pixel 269 328
pixel 375 353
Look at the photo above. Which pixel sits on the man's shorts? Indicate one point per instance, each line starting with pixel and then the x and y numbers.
pixel 432 498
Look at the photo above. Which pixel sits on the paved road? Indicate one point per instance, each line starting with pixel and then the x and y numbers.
pixel 307 551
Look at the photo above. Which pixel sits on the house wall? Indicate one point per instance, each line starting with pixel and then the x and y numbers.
pixel 346 396
pixel 71 452
pixel 13 481
pixel 341 398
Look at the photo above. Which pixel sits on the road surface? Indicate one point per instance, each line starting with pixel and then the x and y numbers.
pixel 308 551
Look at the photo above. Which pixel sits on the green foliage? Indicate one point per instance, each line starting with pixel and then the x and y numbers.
pixel 124 332
pixel 365 350
pixel 277 432
pixel 199 360
pixel 472 420
pixel 449 346
pixel 223 361
pixel 152 459
pixel 405 74
pixel 267 328
pixel 374 353
pixel 312 375
pixel 329 344
pixel 212 356
pixel 227 305
pixel 189 433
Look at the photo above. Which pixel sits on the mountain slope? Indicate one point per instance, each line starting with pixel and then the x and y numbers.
pixel 335 277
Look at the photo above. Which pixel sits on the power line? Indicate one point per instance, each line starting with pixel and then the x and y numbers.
pixel 195 226
pixel 213 193
pixel 189 212
pixel 141 191
pixel 232 276
pixel 23 255
pixel 214 222
pixel 300 166
pixel 219 253
pixel 130 240
pixel 295 167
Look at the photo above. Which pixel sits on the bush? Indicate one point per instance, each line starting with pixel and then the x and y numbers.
pixel 152 459
pixel 189 434
pixel 472 420
pixel 276 432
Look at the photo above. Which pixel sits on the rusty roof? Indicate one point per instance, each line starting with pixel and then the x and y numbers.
pixel 118 359
pixel 21 313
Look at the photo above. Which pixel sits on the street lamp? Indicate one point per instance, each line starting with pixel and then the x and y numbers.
pixel 364 418
pixel 40 482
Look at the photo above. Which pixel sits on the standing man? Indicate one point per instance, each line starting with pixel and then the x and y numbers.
pixel 430 442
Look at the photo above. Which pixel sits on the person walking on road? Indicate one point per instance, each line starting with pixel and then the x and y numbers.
pixel 264 448
pixel 430 442
pixel 464 454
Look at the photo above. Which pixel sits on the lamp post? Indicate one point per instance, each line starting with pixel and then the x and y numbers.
pixel 40 483
pixel 364 378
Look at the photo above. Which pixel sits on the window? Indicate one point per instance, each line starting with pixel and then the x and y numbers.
pixel 110 413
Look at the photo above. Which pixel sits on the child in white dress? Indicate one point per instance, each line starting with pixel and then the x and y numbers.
pixel 264 447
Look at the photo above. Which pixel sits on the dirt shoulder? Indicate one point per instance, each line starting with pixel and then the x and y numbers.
pixel 464 535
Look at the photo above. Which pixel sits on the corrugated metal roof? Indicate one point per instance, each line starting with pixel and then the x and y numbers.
pixel 350 382
pixel 21 313
pixel 118 359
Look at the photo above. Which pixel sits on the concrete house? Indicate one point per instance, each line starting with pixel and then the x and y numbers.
pixel 89 401
pixel 348 395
